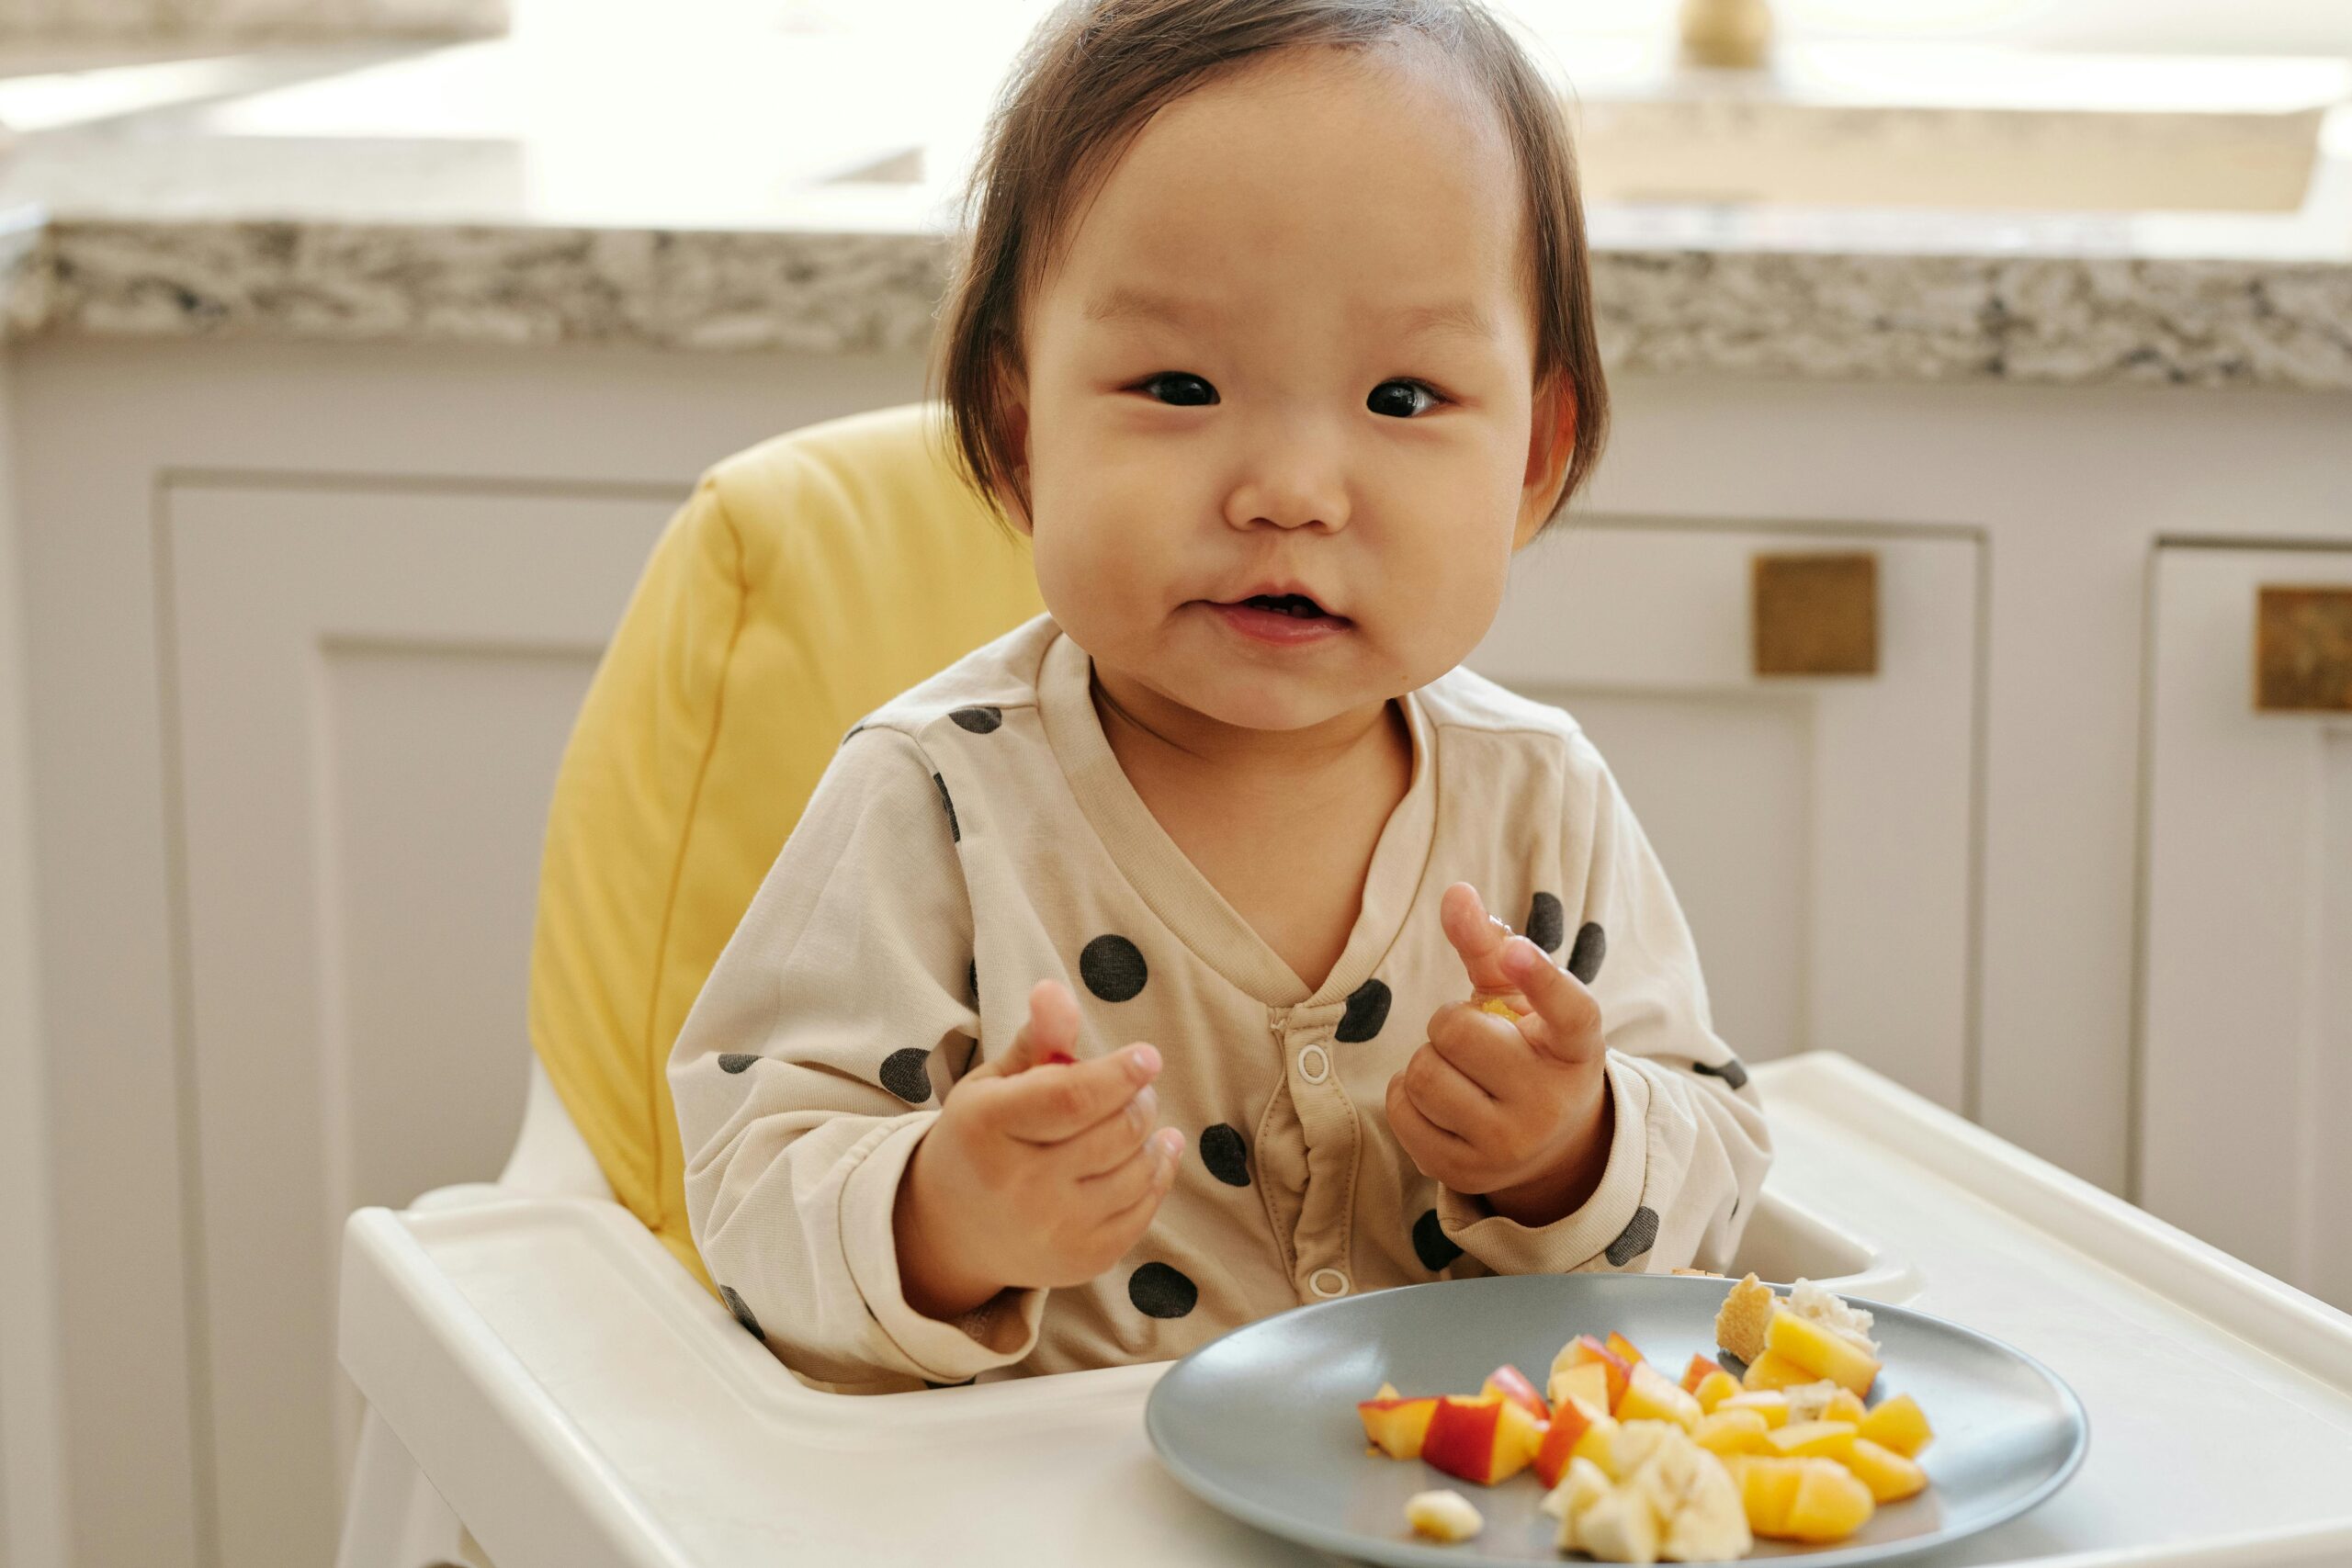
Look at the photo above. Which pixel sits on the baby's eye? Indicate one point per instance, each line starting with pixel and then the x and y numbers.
pixel 1184 379
pixel 1384 398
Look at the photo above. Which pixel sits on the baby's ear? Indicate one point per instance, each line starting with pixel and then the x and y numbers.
pixel 1551 443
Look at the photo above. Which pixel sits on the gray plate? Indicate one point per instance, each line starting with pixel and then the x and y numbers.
pixel 1262 1422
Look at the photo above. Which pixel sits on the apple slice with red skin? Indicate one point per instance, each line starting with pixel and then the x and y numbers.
pixel 1483 1439
pixel 1568 1424
pixel 1696 1374
pixel 1623 1348
pixel 1396 1426
pixel 1621 1371
pixel 1512 1384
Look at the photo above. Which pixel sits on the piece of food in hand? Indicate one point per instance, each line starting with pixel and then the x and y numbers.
pixel 1570 1421
pixel 1585 1350
pixel 1889 1476
pixel 1512 1384
pixel 1587 1383
pixel 1446 1517
pixel 1649 1397
pixel 1484 1441
pixel 1899 1426
pixel 1770 1403
pixel 1396 1426
pixel 1820 1350
pixel 1806 1440
pixel 1746 1314
pixel 1622 1348
pixel 1500 1008
pixel 1734 1432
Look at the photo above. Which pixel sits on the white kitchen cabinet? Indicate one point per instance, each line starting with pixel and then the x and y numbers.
pixel 2246 1075
pixel 374 687
pixel 1819 829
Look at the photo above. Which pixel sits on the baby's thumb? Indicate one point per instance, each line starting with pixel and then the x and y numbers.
pixel 1479 938
pixel 1049 1035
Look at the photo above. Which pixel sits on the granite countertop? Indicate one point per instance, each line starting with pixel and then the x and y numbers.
pixel 789 192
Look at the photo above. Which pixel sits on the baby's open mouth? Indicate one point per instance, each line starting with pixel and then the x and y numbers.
pixel 1297 604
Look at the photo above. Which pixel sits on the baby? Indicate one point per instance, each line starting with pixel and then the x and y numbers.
pixel 1082 1017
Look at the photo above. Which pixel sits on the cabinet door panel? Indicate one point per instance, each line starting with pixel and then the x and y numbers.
pixel 1820 831
pixel 373 691
pixel 2245 973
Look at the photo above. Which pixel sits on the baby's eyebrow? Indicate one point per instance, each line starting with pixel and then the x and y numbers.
pixel 1128 304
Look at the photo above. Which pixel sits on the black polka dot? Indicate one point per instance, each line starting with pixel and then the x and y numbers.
pixel 1159 1290
pixel 742 1313
pixel 1434 1247
pixel 1227 1153
pixel 979 721
pixel 1636 1239
pixel 1732 1071
pixel 736 1061
pixel 907 1074
pixel 1592 946
pixel 1546 922
pixel 954 833
pixel 1113 968
pixel 1367 1010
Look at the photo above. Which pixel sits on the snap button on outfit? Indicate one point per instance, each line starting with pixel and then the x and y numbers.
pixel 1327 1283
pixel 1313 1064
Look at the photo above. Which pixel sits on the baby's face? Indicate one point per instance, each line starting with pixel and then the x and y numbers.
pixel 1287 496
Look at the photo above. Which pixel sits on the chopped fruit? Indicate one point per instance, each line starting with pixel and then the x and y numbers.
pixel 1841 1317
pixel 1830 1504
pixel 1843 1407
pixel 1898 1426
pixel 1483 1439
pixel 1649 1397
pixel 1696 1372
pixel 1665 1497
pixel 1772 1370
pixel 1583 1482
pixel 1619 1528
pixel 1808 1439
pixel 1587 1383
pixel 1623 1349
pixel 1810 1401
pixel 1734 1432
pixel 1767 1487
pixel 1446 1517
pixel 1512 1384
pixel 1889 1475
pixel 1566 1428
pixel 1397 1426
pixel 1599 1444
pixel 1770 1403
pixel 1585 1350
pixel 1746 1314
pixel 1714 1389
pixel 1388 1391
pixel 1822 1352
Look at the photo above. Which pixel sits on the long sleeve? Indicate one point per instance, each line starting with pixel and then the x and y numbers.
pixel 815 1059
pixel 1691 1146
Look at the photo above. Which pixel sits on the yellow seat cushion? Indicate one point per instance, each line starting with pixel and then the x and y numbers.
pixel 805 582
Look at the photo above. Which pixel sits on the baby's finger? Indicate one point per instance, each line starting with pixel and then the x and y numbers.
pixel 1436 1153
pixel 1566 1020
pixel 1045 1108
pixel 1486 1049
pixel 1450 1102
pixel 1111 1141
pixel 1477 937
pixel 1117 1189
pixel 1123 1226
pixel 1050 1032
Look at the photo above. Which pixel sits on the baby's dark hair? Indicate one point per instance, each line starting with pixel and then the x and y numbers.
pixel 1089 77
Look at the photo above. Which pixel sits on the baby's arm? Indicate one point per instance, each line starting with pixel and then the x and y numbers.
pixel 1688 1142
pixel 802 1079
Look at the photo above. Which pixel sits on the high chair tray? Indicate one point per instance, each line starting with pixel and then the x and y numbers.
pixel 578 1400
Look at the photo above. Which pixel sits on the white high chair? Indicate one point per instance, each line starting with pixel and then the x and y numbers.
pixel 551 1383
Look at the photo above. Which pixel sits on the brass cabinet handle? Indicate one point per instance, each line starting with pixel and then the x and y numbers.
pixel 1816 613
pixel 2302 648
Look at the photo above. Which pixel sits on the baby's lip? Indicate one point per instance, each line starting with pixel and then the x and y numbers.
pixel 1282 590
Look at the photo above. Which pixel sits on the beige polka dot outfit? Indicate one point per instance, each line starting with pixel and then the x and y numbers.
pixel 977 835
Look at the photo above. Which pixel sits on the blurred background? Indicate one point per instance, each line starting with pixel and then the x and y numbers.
pixel 1966 599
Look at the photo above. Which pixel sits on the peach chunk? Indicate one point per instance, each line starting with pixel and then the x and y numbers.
pixel 1649 1397
pixel 1773 1371
pixel 1696 1374
pixel 1889 1475
pixel 1584 1350
pixel 1830 1504
pixel 1734 1432
pixel 1585 1384
pixel 1714 1389
pixel 1570 1421
pixel 1808 1439
pixel 1770 1403
pixel 1900 1426
pixel 1825 1354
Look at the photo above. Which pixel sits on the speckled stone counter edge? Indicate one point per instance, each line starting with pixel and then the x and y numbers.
pixel 2038 319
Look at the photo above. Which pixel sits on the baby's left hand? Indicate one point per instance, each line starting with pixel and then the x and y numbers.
pixel 1517 1109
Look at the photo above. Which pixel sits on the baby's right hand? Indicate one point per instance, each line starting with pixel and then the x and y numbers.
pixel 1036 1177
